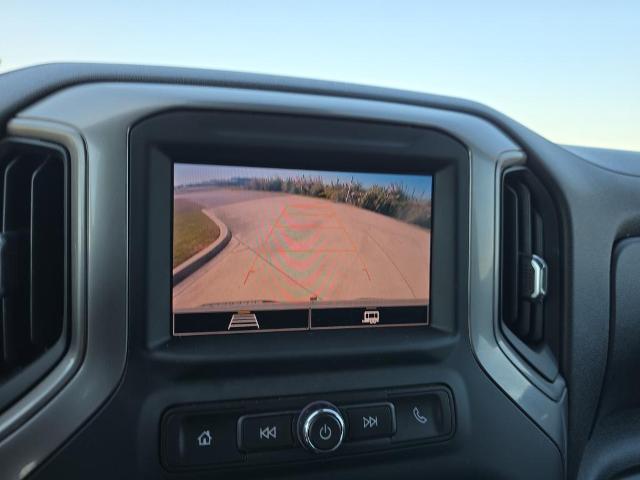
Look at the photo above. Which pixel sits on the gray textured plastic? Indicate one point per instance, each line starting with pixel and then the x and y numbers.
pixel 21 451
pixel 101 114
pixel 620 161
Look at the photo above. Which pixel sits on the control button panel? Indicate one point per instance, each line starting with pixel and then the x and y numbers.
pixel 265 432
pixel 297 429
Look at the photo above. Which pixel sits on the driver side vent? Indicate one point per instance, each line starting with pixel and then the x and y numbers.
pixel 33 263
pixel 529 304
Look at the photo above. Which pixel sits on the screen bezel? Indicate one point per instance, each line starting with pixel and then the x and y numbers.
pixel 155 143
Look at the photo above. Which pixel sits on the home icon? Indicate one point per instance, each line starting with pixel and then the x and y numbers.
pixel 205 439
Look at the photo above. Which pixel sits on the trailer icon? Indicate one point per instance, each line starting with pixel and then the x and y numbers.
pixel 371 317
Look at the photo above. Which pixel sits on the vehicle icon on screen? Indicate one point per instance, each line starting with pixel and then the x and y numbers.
pixel 371 317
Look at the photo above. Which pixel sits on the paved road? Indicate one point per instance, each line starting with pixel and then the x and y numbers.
pixel 290 248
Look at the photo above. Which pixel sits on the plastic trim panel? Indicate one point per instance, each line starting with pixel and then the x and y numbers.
pixel 103 114
pixel 15 461
pixel 87 378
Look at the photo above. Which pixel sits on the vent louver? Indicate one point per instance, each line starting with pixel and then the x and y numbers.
pixel 33 263
pixel 530 315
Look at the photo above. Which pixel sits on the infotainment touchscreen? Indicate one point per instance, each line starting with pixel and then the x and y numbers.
pixel 265 249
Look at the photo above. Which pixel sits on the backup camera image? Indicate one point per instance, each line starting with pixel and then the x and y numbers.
pixel 263 249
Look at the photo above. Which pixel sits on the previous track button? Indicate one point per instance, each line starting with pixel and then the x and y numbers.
pixel 265 432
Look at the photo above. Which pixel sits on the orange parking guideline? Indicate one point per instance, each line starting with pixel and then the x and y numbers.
pixel 251 268
pixel 355 247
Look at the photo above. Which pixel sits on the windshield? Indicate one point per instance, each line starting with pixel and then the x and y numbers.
pixel 568 70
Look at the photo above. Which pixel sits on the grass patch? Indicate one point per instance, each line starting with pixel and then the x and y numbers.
pixel 192 230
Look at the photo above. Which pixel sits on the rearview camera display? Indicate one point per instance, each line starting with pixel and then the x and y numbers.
pixel 267 249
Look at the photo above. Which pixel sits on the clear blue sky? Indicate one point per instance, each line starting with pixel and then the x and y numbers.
pixel 417 185
pixel 568 69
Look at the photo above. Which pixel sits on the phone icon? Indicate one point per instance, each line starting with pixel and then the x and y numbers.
pixel 419 417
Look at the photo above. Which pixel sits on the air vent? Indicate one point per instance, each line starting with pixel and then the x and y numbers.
pixel 33 263
pixel 530 316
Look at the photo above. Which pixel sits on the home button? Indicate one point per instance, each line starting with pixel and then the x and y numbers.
pixel 198 439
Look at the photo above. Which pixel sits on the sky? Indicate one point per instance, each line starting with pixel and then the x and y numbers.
pixel 569 70
pixel 417 185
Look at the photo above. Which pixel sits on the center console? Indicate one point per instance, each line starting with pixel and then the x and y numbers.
pixel 331 231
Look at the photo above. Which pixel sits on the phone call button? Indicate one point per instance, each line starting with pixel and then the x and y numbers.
pixel 423 416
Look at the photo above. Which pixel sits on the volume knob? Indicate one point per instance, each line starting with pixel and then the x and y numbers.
pixel 321 427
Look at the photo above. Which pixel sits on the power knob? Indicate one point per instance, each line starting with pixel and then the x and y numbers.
pixel 321 427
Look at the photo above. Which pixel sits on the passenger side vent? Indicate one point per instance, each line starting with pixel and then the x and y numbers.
pixel 530 315
pixel 33 263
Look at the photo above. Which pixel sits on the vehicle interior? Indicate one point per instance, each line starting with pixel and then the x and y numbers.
pixel 207 274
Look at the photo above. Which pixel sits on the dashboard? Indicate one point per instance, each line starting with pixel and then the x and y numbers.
pixel 244 276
